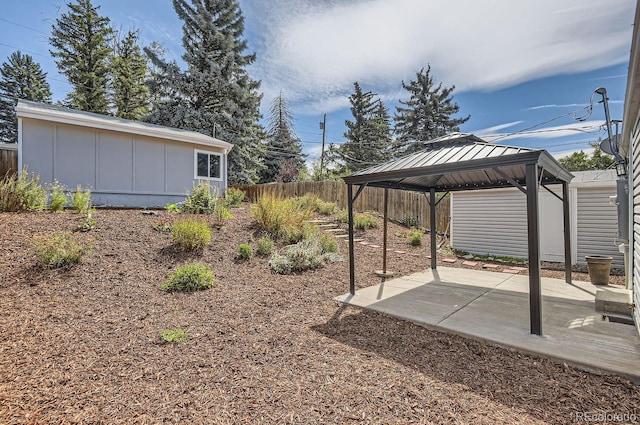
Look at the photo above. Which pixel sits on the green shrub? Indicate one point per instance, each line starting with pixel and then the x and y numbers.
pixel 365 221
pixel 233 197
pixel 285 219
pixel 162 226
pixel 415 238
pixel 305 255
pixel 325 208
pixel 59 250
pixel 221 211
pixel 172 208
pixel 87 221
pixel 328 243
pixel 81 200
pixel 57 198
pixel 342 216
pixel 410 221
pixel 22 193
pixel 191 234
pixel 201 200
pixel 190 277
pixel 245 251
pixel 265 246
pixel 174 335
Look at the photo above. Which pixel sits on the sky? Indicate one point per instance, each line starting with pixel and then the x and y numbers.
pixel 524 71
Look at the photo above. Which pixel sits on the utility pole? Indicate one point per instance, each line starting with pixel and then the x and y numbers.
pixel 323 127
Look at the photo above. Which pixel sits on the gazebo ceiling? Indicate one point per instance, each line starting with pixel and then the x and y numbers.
pixel 461 162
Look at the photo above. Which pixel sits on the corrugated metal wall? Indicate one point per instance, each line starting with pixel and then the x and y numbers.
pixel 490 223
pixel 597 225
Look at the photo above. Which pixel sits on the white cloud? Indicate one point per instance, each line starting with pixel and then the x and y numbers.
pixel 579 128
pixel 317 49
pixel 493 129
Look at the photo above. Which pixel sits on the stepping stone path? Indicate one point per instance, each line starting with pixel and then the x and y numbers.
pixel 448 260
pixel 512 271
pixel 469 263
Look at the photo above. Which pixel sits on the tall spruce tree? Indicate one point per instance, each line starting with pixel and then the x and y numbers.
pixel 128 78
pixel 20 78
pixel 214 95
pixel 427 114
pixel 284 148
pixel 81 41
pixel 368 136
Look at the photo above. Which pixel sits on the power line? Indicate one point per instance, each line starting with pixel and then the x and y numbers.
pixel 22 26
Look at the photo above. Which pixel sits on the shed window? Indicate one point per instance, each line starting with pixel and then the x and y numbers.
pixel 208 165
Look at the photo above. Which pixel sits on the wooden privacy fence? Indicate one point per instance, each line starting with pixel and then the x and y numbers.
pixel 402 204
pixel 8 161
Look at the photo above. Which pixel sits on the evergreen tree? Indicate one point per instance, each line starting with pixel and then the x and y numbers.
pixel 368 136
pixel 81 43
pixel 426 115
pixel 214 95
pixel 21 78
pixel 284 148
pixel 129 74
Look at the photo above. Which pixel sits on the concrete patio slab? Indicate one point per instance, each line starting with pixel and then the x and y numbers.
pixel 494 307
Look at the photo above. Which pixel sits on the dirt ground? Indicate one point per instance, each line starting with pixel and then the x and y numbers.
pixel 82 345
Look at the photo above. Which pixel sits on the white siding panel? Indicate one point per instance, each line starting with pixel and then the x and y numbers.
pixel 490 223
pixel 597 225
pixel 635 147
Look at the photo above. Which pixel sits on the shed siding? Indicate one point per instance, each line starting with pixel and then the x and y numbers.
pixel 121 169
pixel 490 224
pixel 597 225
pixel 635 146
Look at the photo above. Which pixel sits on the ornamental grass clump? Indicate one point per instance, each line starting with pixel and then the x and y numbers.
pixel 365 221
pixel 190 277
pixel 415 238
pixel 22 193
pixel 284 219
pixel 59 250
pixel 191 234
pixel 306 255
pixel 265 246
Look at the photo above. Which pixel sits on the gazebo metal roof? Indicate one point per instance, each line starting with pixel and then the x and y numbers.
pixel 466 162
pixel 461 162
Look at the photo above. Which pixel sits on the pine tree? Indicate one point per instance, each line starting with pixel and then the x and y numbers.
pixel 21 78
pixel 129 74
pixel 427 115
pixel 368 136
pixel 214 95
pixel 284 148
pixel 81 43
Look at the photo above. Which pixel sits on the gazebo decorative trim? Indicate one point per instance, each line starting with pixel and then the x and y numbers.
pixel 461 161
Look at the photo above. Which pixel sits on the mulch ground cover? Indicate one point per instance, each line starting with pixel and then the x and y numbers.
pixel 82 345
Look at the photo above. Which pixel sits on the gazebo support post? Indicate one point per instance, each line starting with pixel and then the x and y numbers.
pixel 384 238
pixel 432 224
pixel 533 227
pixel 567 232
pixel 352 266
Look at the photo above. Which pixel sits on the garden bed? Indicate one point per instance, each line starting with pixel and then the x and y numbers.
pixel 83 345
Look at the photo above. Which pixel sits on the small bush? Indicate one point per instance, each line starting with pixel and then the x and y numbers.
pixel 415 238
pixel 88 222
pixel 81 200
pixel 59 251
pixel 233 197
pixel 57 198
pixel 173 208
pixel 328 243
pixel 342 216
pixel 190 277
pixel 410 221
pixel 162 226
pixel 174 335
pixel 191 234
pixel 364 221
pixel 285 219
pixel 325 208
pixel 200 201
pixel 22 193
pixel 245 251
pixel 221 212
pixel 305 255
pixel 265 246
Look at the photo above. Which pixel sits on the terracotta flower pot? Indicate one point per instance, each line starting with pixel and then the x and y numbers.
pixel 599 267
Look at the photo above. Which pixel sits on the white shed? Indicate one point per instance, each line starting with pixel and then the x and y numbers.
pixel 123 162
pixel 495 221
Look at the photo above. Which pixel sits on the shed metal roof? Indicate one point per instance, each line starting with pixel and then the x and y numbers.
pixel 461 161
pixel 60 114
